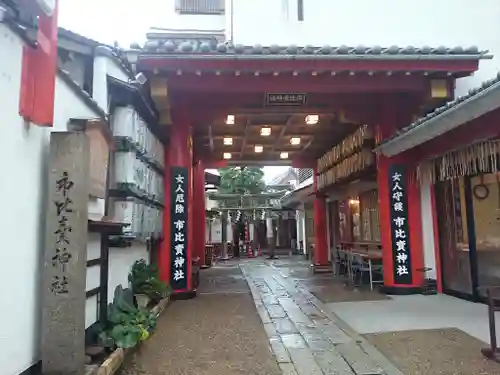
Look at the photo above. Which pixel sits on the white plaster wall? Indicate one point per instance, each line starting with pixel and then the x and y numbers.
pixel 298 227
pixel 428 229
pixel 96 208
pixel 91 311
pixel 104 66
pixel 165 16
pixel 210 204
pixel 23 149
pixel 367 22
pixel 356 22
pixel 120 263
pixel 301 228
pixel 68 105
pixel 23 158
pixel 93 278
pixel 76 68
pixel 216 229
pixel 115 70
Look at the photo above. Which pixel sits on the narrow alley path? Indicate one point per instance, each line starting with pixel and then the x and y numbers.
pixel 217 333
pixel 220 332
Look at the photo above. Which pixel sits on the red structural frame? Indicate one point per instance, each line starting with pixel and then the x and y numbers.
pixel 214 86
pixel 230 63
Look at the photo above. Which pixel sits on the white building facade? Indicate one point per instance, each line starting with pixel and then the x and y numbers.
pixel 24 155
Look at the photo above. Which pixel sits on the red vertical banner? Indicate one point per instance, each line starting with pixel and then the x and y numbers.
pixel 415 227
pixel 199 238
pixel 385 218
pixel 401 227
pixel 39 71
pixel 179 230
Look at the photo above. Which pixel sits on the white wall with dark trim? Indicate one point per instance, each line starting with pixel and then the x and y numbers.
pixel 428 245
pixel 23 163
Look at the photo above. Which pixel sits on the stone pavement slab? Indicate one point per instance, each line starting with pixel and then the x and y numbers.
pixel 288 369
pixel 294 340
pixel 285 326
pixel 279 350
pixel 305 338
pixel 276 311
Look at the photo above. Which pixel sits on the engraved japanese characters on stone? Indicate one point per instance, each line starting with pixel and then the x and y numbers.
pixel 62 256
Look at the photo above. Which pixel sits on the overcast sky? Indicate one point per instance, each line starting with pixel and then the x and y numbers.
pixel 108 20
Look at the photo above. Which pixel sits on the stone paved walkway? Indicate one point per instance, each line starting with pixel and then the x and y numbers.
pixel 305 338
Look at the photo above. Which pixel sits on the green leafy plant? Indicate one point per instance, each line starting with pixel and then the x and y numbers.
pixel 144 279
pixel 126 324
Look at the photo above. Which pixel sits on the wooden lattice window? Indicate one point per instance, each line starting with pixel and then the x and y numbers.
pixel 200 6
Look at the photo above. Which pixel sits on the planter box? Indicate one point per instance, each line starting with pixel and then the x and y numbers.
pixel 113 363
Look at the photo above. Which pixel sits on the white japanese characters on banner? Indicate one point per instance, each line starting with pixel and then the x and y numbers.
pixel 399 225
pixel 179 228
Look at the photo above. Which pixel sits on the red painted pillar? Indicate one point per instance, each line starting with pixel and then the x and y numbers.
pixel 400 217
pixel 320 228
pixel 164 254
pixel 199 212
pixel 177 247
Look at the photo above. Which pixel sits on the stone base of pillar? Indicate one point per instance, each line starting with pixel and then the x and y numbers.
pixel 272 245
pixel 397 290
pixel 322 268
pixel 182 296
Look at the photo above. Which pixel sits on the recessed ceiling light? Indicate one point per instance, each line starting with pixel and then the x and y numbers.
pixel 227 155
pixel 265 131
pixel 295 141
pixel 312 119
pixel 230 120
pixel 228 141
pixel 284 155
pixel 259 148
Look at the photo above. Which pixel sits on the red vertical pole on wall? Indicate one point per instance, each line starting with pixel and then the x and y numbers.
pixel 385 219
pixel 199 212
pixel 164 257
pixel 402 249
pixel 39 67
pixel 320 235
pixel 177 247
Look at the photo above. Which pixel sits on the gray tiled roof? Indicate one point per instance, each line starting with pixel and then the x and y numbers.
pixel 171 46
pixel 470 96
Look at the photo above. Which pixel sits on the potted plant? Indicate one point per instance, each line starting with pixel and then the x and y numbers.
pixel 146 284
pixel 126 324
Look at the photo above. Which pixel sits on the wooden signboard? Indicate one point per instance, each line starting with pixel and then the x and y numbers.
pixel 400 233
pixel 285 99
pixel 180 257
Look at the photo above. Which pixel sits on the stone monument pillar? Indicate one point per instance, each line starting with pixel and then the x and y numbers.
pixel 64 274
